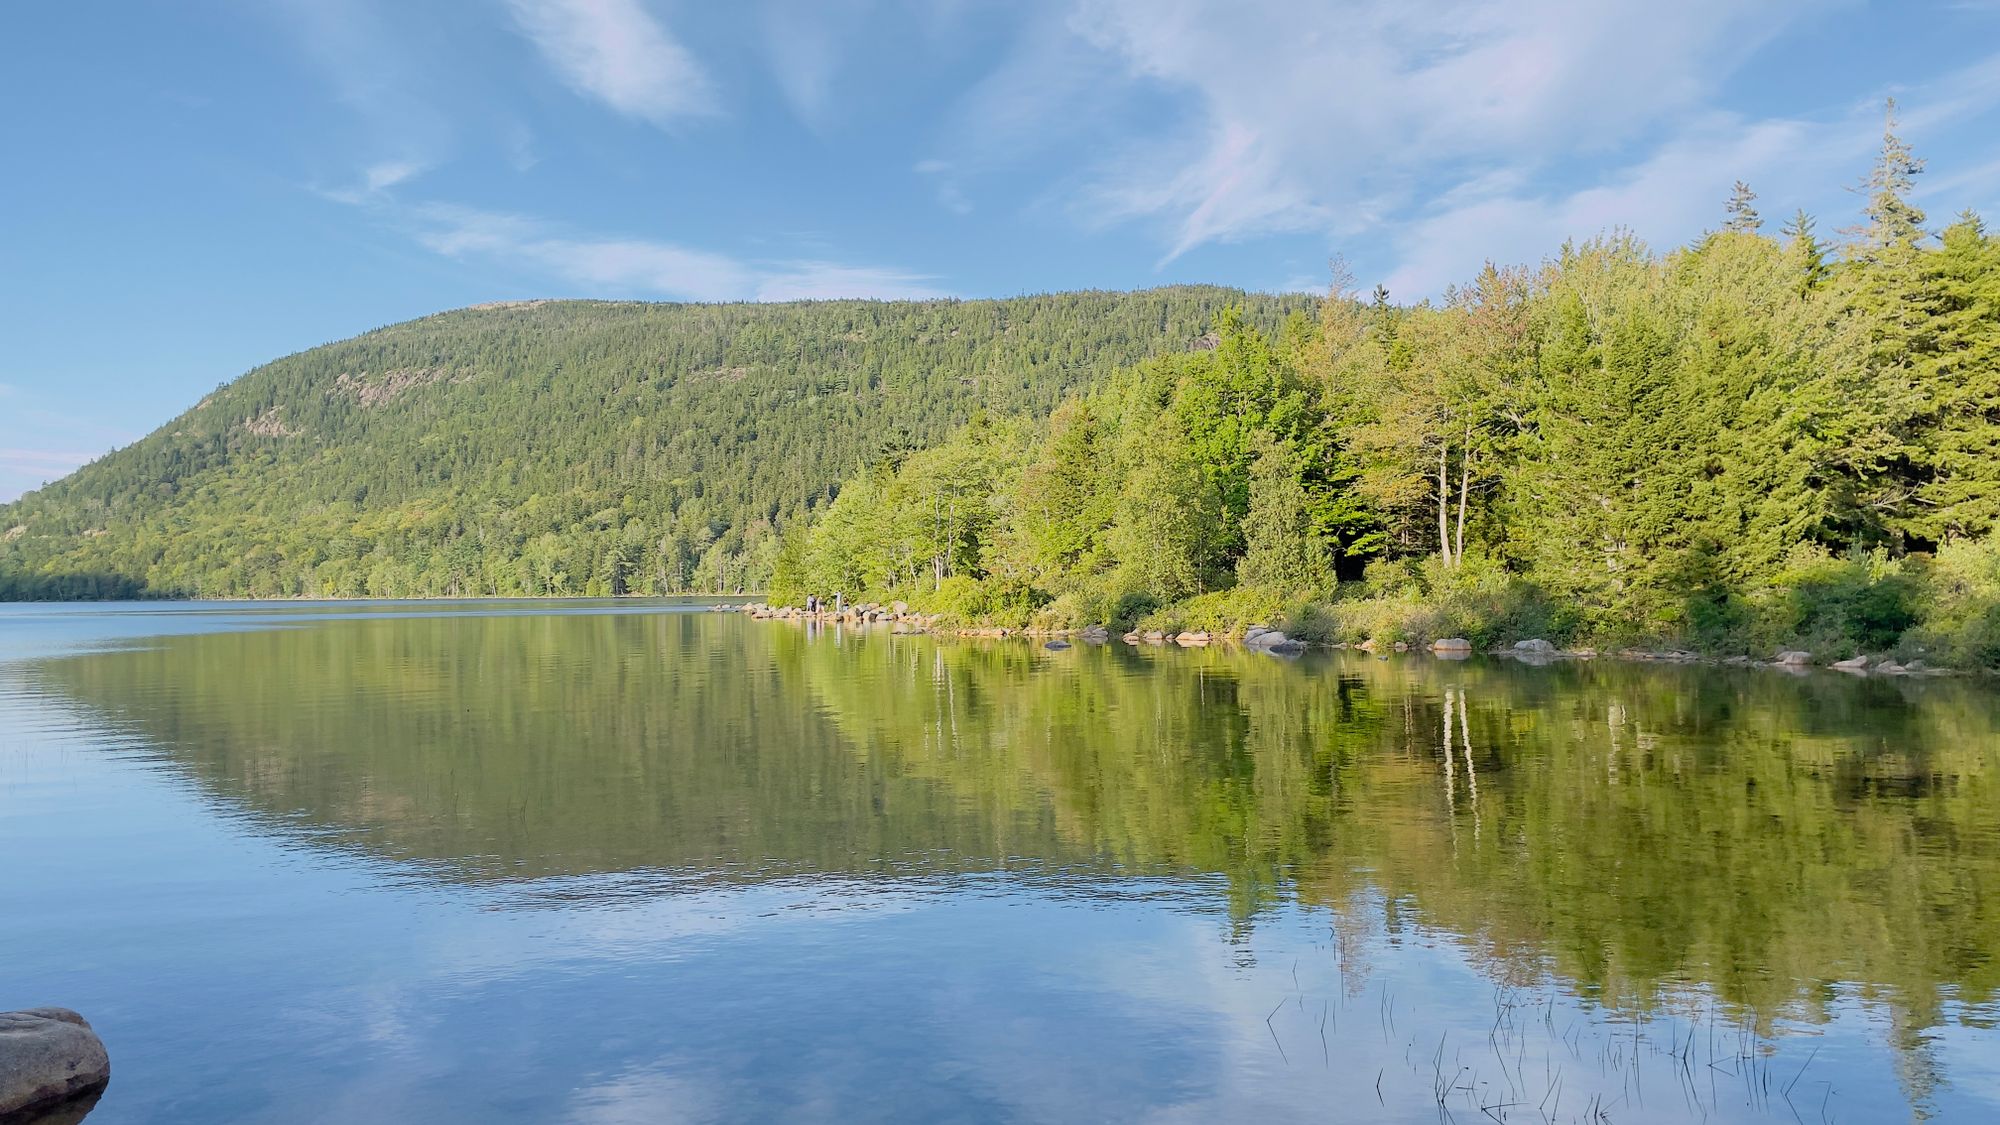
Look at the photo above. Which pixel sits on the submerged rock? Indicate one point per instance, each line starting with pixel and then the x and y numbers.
pixel 1055 646
pixel 48 1056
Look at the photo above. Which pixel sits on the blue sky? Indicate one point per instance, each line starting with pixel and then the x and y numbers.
pixel 193 187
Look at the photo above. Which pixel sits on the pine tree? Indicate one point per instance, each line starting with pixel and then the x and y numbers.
pixel 1743 217
pixel 1804 253
pixel 1960 443
pixel 1892 220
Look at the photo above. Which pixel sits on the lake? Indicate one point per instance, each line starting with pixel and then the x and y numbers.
pixel 633 862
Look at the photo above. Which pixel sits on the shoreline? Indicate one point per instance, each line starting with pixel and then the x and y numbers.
pixel 901 620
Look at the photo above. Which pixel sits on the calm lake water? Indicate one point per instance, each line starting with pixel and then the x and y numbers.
pixel 594 862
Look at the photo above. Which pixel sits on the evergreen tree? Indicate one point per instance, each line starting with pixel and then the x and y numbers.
pixel 1805 255
pixel 1743 217
pixel 1892 221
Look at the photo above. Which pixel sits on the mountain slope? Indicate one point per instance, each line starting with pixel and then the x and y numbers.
pixel 563 446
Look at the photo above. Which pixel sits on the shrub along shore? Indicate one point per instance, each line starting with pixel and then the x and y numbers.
pixel 900 619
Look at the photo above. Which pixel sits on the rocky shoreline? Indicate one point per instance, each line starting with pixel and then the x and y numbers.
pixel 900 618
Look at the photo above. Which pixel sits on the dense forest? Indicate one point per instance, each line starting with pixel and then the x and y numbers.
pixel 571 447
pixel 1764 439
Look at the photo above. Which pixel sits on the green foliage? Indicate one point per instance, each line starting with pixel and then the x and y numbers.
pixel 1959 611
pixel 1220 611
pixel 1840 606
pixel 1419 602
pixel 564 447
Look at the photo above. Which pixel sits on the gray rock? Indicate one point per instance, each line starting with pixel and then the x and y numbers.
pixel 1852 663
pixel 1534 645
pixel 47 1056
pixel 1055 646
pixel 1794 658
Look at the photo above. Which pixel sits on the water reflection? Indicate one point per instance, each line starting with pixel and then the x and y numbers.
pixel 1417 861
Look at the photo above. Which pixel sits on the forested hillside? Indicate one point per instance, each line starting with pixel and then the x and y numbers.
pixel 1764 439
pixel 564 447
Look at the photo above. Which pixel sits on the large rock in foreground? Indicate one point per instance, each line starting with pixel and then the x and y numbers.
pixel 47 1056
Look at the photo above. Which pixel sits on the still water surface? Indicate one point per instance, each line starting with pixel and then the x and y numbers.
pixel 596 862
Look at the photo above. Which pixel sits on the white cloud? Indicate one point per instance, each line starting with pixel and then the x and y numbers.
pixel 615 51
pixel 1680 187
pixel 950 195
pixel 22 470
pixel 389 173
pixel 802 42
pixel 633 266
pixel 818 281
pixel 1327 118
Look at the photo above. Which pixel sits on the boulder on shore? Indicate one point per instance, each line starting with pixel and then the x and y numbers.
pixel 1451 644
pixel 1534 646
pixel 1793 658
pixel 1852 664
pixel 47 1056
pixel 1191 640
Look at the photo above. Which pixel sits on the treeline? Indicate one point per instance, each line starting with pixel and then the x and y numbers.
pixel 1762 439
pixel 551 448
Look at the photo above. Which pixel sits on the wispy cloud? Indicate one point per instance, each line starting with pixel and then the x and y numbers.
pixel 1319 120
pixel 389 173
pixel 615 51
pixel 24 469
pixel 647 267
pixel 950 195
